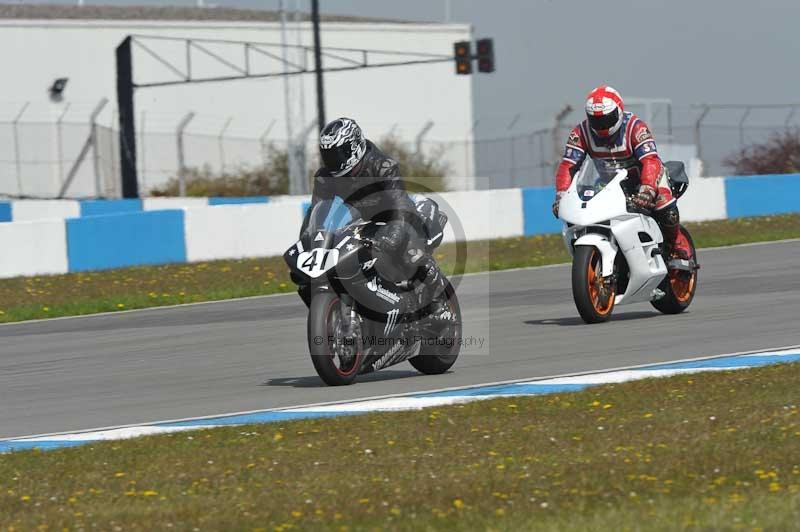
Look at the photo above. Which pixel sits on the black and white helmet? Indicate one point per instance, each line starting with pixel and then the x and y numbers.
pixel 342 146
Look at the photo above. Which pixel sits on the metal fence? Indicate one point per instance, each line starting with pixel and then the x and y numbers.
pixel 74 155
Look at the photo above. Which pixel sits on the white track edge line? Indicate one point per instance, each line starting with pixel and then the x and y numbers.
pixel 406 394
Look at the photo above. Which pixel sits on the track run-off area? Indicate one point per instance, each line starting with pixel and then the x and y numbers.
pixel 242 355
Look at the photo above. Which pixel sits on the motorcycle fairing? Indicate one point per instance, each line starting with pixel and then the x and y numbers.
pixel 593 219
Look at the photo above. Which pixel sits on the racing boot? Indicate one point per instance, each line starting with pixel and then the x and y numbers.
pixel 432 291
pixel 679 251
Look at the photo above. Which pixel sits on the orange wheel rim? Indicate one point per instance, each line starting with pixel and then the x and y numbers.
pixel 601 296
pixel 682 286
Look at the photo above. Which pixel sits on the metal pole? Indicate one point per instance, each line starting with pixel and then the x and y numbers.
pixel 295 177
pixel 143 150
pixel 513 163
pixel 559 122
pixel 17 162
pixel 95 151
pixel 469 153
pixel 264 141
pixel 318 65
pixel 60 143
pixel 301 57
pixel 447 11
pixel 541 151
pixel 424 131
pixel 697 139
pixel 302 182
pixel 127 119
pixel 741 126
pixel 181 159
pixel 669 121
pixel 114 180
pixel 220 140
pixel 789 118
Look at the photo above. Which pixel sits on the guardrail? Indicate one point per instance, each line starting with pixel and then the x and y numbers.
pixel 55 236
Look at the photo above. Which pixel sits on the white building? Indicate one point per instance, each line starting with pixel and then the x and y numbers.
pixel 40 139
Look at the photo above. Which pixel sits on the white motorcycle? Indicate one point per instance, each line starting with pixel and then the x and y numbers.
pixel 618 254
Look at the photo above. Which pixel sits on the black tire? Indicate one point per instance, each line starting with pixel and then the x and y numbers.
pixel 440 357
pixel 679 287
pixel 594 305
pixel 321 326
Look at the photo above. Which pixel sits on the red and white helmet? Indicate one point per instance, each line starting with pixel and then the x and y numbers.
pixel 604 110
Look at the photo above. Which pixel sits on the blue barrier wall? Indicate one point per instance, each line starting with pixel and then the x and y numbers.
pixel 220 200
pixel 115 206
pixel 761 195
pixel 537 211
pixel 114 241
pixel 5 211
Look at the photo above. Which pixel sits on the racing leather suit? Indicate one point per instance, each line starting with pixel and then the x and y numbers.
pixel 634 149
pixel 377 191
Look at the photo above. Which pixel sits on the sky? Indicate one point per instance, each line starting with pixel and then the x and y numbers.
pixel 552 52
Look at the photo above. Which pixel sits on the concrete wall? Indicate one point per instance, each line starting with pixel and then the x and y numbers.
pixel 33 248
pixel 239 231
pixel 83 50
pixel 117 234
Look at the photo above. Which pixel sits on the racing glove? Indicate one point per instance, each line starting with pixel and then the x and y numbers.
pixel 645 199
pixel 559 195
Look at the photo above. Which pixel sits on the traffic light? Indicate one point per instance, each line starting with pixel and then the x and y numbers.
pixel 463 55
pixel 485 55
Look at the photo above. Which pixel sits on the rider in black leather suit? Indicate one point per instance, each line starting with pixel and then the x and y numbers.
pixel 368 180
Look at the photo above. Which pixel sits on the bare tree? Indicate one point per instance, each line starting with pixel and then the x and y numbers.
pixel 779 154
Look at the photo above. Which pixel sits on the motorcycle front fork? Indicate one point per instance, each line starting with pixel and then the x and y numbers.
pixel 348 313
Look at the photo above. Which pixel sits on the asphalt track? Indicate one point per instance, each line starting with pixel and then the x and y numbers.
pixel 240 355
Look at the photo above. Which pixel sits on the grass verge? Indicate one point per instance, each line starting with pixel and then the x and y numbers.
pixel 710 451
pixel 27 298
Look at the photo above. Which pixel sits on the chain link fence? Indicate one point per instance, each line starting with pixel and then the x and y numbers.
pixel 75 157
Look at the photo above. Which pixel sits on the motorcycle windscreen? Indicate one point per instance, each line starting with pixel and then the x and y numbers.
pixel 330 215
pixel 590 182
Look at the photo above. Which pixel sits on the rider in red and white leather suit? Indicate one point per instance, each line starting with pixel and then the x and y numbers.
pixel 615 139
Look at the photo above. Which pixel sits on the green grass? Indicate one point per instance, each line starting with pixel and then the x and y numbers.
pixel 130 288
pixel 712 451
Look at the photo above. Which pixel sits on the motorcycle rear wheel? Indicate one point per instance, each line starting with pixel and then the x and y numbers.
pixel 439 356
pixel 678 286
pixel 593 298
pixel 326 344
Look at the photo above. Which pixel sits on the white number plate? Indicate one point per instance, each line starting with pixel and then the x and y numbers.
pixel 317 261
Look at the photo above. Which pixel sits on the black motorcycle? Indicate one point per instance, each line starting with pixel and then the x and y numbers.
pixel 355 322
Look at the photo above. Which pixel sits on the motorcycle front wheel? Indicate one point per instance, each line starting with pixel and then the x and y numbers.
pixel 594 296
pixel 336 358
